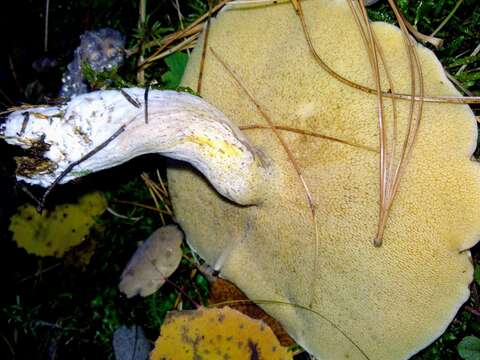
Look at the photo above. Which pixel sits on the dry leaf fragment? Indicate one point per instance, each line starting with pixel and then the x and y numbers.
pixel 81 255
pixel 130 343
pixel 153 262
pixel 216 334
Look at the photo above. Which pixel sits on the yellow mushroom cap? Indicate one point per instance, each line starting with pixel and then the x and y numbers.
pixel 381 303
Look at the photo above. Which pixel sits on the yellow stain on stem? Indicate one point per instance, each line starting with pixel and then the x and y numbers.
pixel 216 147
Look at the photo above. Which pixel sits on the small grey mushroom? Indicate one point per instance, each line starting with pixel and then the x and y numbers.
pixel 153 262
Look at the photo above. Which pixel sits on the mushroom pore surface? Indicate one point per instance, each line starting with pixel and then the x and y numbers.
pixel 390 301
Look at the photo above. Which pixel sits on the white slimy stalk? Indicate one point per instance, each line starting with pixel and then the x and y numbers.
pixel 180 126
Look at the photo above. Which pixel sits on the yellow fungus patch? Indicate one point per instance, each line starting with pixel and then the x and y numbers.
pixel 52 233
pixel 216 334
pixel 39 115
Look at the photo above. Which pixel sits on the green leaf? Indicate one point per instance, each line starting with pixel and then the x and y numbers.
pixel 469 348
pixel 176 66
pixel 464 61
pixel 470 76
pixel 476 274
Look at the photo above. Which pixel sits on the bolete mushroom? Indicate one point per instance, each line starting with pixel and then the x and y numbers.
pixel 307 237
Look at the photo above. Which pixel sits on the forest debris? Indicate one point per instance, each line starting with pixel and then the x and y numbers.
pixel 130 343
pixel 81 255
pixel 153 262
pixel 223 291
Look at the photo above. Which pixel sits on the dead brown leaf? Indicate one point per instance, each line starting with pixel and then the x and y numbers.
pixel 223 290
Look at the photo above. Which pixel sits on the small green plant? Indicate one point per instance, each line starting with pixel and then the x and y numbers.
pixel 176 66
pixel 151 33
pixel 469 348
pixel 108 79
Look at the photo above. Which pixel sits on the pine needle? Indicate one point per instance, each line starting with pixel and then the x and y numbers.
pixel 435 99
pixel 204 51
pixel 311 133
pixel 183 33
pixel 298 306
pixel 159 196
pixel 449 16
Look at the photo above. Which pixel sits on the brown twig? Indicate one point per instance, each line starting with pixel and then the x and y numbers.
pixel 472 310
pixel 181 46
pixel 40 272
pixel 145 99
pixel 47 16
pixel 183 33
pixel 361 25
pixel 14 75
pixel 310 133
pixel 204 50
pixel 413 123
pixel 159 190
pixel 10 102
pixel 10 347
pixel 437 42
pixel 133 203
pixel 142 10
pixel 130 99
pixel 374 63
pixel 464 66
pixel 167 38
pixel 29 194
pixel 120 216
pixel 26 118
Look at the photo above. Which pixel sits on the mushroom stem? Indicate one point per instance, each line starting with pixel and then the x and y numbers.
pixel 180 126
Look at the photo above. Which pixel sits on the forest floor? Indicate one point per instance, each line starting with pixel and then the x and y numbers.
pixel 69 307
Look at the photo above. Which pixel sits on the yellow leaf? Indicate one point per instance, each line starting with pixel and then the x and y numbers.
pixel 216 334
pixel 52 233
